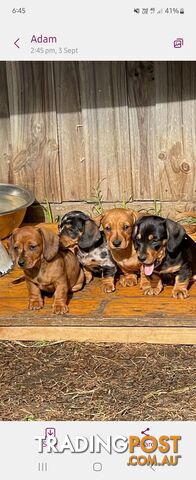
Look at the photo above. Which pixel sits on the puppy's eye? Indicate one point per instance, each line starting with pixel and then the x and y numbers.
pixel 156 246
pixel 107 228
pixel 126 227
pixel 32 247
pixel 16 248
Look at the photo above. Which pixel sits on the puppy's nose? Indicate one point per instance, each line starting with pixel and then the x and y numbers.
pixel 142 257
pixel 21 262
pixel 117 243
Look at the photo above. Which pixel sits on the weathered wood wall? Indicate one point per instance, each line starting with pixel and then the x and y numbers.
pixel 64 126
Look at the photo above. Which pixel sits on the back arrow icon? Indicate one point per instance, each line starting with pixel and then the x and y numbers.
pixel 15 43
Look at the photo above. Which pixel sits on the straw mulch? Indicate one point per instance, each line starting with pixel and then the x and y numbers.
pixel 85 381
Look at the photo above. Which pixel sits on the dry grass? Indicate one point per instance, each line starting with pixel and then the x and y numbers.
pixel 80 381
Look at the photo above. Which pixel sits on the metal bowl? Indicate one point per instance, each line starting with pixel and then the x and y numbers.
pixel 14 201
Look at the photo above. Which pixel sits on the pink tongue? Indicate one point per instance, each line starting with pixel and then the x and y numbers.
pixel 148 269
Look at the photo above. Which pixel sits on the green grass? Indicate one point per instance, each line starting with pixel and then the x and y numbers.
pixel 30 417
pixel 188 220
pixel 48 212
pixel 156 210
pixel 124 203
pixel 97 198
pixel 49 217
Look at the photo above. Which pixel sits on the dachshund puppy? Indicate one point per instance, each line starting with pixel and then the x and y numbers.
pixel 118 225
pixel 36 251
pixel 78 231
pixel 163 247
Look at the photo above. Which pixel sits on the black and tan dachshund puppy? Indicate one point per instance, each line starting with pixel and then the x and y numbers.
pixel 79 232
pixel 163 247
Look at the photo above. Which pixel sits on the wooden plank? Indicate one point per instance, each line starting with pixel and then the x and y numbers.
pixel 27 319
pixel 147 306
pixel 128 303
pixel 175 128
pixel 188 165
pixel 168 208
pixel 142 125
pixel 181 336
pixel 5 140
pixel 33 128
pixel 70 131
pixel 103 91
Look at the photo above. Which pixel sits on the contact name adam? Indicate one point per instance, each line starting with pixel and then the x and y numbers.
pixel 43 39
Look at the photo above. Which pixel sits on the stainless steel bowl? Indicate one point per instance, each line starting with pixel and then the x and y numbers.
pixel 14 201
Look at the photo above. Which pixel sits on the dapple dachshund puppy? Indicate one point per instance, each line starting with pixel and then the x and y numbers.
pixel 36 251
pixel 117 225
pixel 163 247
pixel 78 231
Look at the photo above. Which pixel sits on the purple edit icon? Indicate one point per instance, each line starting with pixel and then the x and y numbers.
pixel 178 43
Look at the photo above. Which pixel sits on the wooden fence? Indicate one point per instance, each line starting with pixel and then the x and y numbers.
pixel 65 126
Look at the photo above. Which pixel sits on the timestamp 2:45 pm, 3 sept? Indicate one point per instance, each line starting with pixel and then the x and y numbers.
pixel 54 51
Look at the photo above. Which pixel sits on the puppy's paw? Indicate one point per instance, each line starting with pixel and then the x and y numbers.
pixel 60 308
pixel 88 277
pixel 35 303
pixel 180 292
pixel 108 287
pixel 128 280
pixel 157 290
pixel 151 291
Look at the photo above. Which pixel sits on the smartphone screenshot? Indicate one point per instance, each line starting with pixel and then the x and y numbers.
pixel 97 239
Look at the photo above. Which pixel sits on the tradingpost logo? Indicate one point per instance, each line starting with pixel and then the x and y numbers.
pixel 151 451
pixel 148 450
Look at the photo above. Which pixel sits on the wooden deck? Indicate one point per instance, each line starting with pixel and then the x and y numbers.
pixel 123 316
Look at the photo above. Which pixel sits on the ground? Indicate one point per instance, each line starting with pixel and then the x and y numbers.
pixel 87 381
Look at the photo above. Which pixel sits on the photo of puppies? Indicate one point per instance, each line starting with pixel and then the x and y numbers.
pixel 98 215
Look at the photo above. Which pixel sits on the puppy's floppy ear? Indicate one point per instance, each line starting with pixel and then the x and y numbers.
pixel 73 215
pixel 90 236
pixel 138 219
pixel 98 219
pixel 134 232
pixel 50 243
pixel 175 233
pixel 11 244
pixel 133 215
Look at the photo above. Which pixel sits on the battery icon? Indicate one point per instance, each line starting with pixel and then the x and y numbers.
pixel 182 10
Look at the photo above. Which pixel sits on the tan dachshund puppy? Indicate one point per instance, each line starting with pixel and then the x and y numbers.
pixel 36 251
pixel 118 225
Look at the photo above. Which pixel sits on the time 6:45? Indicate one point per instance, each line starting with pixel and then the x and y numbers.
pixel 19 10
